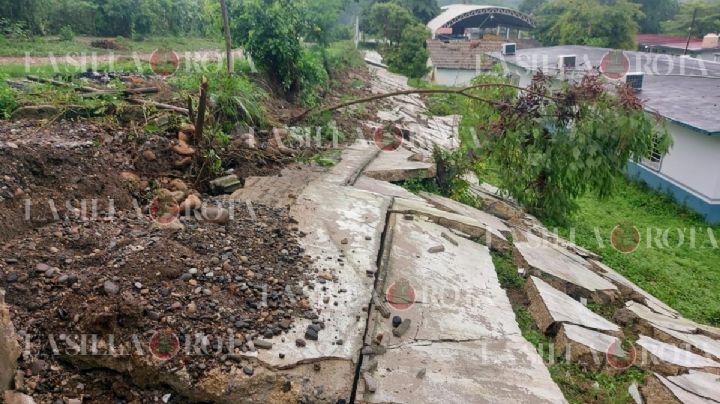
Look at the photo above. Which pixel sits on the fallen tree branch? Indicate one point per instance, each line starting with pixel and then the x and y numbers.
pixel 57 83
pixel 159 105
pixel 457 91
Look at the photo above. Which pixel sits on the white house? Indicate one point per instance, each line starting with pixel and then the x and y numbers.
pixel 686 91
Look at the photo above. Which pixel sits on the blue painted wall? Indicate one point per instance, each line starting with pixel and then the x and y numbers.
pixel 710 211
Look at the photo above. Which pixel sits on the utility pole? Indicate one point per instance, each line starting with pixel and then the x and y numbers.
pixel 690 30
pixel 228 40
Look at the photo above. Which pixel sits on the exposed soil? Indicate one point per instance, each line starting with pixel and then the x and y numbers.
pixel 105 270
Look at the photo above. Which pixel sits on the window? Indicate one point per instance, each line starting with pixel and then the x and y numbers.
pixel 654 161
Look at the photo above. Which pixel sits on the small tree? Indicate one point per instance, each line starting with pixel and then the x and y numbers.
pixel 410 56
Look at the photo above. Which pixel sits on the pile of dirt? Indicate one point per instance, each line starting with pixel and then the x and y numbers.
pixel 81 256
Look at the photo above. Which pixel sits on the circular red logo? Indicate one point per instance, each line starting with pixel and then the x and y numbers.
pixel 163 211
pixel 164 345
pixel 164 62
pixel 615 65
pixel 621 354
pixel 388 138
pixel 625 238
pixel 400 295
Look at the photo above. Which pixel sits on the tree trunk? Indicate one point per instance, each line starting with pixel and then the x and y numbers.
pixel 228 40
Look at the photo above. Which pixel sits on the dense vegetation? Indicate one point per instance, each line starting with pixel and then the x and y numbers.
pixel 614 23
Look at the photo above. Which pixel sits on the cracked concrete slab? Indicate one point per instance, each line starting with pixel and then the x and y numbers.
pixel 584 346
pixel 628 288
pixel 354 159
pixel 341 223
pixel 572 271
pixel 456 293
pixel 706 385
pixel 665 391
pixel 464 224
pixel 549 306
pixel 702 343
pixel 670 359
pixel 502 371
pixel 277 191
pixel 384 188
pixel 451 205
pixel 464 344
pixel 654 319
pixel 399 165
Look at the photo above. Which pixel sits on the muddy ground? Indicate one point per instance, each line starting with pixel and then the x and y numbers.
pixel 81 254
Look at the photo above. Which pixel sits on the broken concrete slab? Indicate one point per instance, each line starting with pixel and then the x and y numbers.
pixel 9 347
pixel 277 191
pixel 571 273
pixel 702 384
pixel 549 306
pixel 343 227
pixel 384 188
pixel 658 389
pixel 353 161
pixel 506 370
pixel 451 205
pixel 464 224
pixel 464 344
pixel 632 291
pixel 698 343
pixel 586 347
pixel 652 319
pixel 451 295
pixel 634 393
pixel 669 359
pixel 397 165
pixel 495 204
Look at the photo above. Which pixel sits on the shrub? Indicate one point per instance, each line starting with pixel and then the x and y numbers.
pixel 67 34
pixel 8 101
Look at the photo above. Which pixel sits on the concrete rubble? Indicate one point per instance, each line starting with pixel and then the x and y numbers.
pixel 404 304
pixel 550 307
pixel 669 359
pixel 399 165
pixel 569 272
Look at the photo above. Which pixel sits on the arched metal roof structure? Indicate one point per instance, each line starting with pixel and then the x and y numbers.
pixel 461 16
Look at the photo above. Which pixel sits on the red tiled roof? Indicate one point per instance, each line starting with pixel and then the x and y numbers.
pixel 670 41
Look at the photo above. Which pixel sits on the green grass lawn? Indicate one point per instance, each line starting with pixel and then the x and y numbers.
pixel 683 275
pixel 43 46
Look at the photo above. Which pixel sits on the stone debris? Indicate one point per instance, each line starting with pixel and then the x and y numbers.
pixel 436 249
pixel 549 306
pixel 225 185
pixel 400 330
pixel 671 360
pixel 371 384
